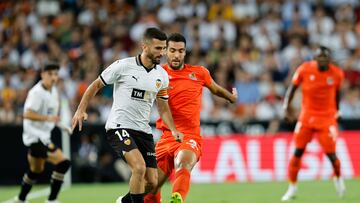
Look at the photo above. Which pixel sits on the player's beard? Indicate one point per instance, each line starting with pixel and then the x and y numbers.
pixel 177 67
pixel 154 60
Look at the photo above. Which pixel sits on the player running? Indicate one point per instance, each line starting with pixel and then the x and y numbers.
pixel 185 93
pixel 41 114
pixel 320 81
pixel 137 81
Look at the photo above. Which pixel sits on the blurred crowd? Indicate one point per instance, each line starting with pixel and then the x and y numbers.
pixel 253 45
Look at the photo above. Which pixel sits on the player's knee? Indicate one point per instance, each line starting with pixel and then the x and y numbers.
pixel 63 166
pixel 299 152
pixel 332 156
pixel 139 169
pixel 184 165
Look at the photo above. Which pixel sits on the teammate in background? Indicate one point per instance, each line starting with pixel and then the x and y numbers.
pixel 321 83
pixel 41 112
pixel 137 81
pixel 185 94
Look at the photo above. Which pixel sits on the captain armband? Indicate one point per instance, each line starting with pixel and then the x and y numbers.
pixel 163 94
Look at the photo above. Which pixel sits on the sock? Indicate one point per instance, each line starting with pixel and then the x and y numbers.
pixel 151 198
pixel 28 180
pixel 137 198
pixel 182 182
pixel 336 167
pixel 294 167
pixel 126 198
pixel 55 185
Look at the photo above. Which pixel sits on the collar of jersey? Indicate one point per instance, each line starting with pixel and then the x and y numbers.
pixel 139 63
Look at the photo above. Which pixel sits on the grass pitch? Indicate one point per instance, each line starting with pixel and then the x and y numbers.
pixel 309 192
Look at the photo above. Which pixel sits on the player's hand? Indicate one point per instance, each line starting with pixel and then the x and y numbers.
pixel 178 136
pixel 289 115
pixel 234 97
pixel 78 118
pixel 53 119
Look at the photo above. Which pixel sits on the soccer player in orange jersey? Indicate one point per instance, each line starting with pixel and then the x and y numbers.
pixel 320 81
pixel 185 93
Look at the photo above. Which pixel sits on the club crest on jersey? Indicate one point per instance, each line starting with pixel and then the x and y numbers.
pixel 312 77
pixel 158 84
pixel 329 81
pixel 192 76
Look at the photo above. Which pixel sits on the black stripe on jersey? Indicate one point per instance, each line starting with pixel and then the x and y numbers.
pixel 139 63
pixel 164 98
pixel 102 79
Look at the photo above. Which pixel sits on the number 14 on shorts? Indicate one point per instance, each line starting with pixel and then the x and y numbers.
pixel 122 135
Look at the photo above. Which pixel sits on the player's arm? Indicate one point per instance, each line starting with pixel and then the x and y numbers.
pixel 80 114
pixel 165 114
pixel 290 92
pixel 222 92
pixel 32 115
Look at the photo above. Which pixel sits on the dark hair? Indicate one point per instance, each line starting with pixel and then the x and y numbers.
pixel 176 37
pixel 154 33
pixel 322 50
pixel 50 66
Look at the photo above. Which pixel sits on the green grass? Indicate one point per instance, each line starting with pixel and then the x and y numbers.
pixel 309 192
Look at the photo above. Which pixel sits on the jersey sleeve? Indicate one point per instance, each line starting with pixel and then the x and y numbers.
pixel 207 77
pixel 112 73
pixel 33 102
pixel 298 75
pixel 163 92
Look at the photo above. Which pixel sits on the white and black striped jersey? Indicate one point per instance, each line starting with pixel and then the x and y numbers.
pixel 44 102
pixel 135 90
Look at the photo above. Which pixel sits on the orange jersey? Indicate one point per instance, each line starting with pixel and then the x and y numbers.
pixel 318 92
pixel 185 94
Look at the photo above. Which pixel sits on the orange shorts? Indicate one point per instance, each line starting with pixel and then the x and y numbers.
pixel 167 149
pixel 326 136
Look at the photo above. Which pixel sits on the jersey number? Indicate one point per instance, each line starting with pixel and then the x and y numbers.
pixel 123 134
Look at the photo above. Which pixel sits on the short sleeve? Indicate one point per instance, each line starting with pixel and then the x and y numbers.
pixel 33 102
pixel 207 77
pixel 298 75
pixel 163 92
pixel 112 73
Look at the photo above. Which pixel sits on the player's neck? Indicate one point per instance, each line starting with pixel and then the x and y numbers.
pixel 45 86
pixel 146 62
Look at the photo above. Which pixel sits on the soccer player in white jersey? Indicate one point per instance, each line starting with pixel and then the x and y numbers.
pixel 137 81
pixel 41 113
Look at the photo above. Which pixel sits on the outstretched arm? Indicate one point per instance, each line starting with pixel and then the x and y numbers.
pixel 80 114
pixel 222 92
pixel 165 114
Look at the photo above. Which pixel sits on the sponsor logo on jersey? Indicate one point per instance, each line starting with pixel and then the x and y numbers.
pixel 158 84
pixel 312 77
pixel 135 78
pixel 138 94
pixel 192 76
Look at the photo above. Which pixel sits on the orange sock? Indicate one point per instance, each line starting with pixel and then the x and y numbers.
pixel 336 167
pixel 182 182
pixel 294 167
pixel 151 198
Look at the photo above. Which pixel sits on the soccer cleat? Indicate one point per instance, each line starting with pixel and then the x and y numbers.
pixel 118 200
pixel 176 198
pixel 290 193
pixel 52 201
pixel 16 200
pixel 339 186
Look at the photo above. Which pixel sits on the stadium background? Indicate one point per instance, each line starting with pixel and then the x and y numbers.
pixel 253 45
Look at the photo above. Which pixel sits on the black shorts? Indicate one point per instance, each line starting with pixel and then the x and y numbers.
pixel 124 140
pixel 39 150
